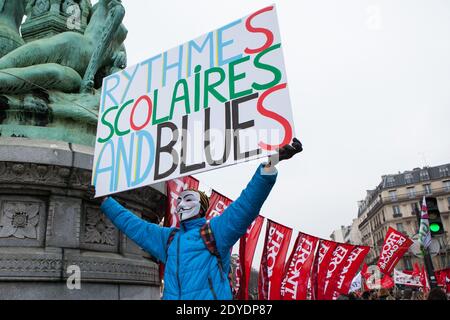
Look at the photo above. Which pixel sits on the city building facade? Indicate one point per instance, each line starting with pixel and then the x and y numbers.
pixel 395 203
pixel 340 235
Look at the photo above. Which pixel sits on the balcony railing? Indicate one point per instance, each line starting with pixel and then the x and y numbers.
pixel 379 202
pixel 416 196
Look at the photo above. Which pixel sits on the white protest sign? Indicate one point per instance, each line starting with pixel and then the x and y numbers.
pixel 406 279
pixel 356 283
pixel 215 101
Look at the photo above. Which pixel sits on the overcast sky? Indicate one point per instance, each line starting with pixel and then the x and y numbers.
pixel 369 84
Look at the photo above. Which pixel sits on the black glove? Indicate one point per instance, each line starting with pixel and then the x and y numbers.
pixel 287 152
pixel 90 192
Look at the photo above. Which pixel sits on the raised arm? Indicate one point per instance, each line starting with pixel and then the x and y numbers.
pixel 235 220
pixel 149 236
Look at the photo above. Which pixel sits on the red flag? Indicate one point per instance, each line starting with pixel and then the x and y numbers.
pixel 365 272
pixel 438 277
pixel 334 268
pixel 366 275
pixel 298 269
pixel 247 246
pixel 443 279
pixel 174 188
pixel 395 246
pixel 273 260
pixel 321 262
pixel 424 280
pixel 409 272
pixel 447 280
pixel 416 270
pixel 217 205
pixel 387 282
pixel 350 269
pixel 237 279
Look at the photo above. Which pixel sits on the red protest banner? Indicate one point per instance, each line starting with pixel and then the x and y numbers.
pixel 273 259
pixel 364 271
pixel 416 270
pixel 247 246
pixel 237 279
pixel 174 188
pixel 394 247
pixel 217 205
pixel 348 272
pixel 443 279
pixel 324 254
pixel 334 268
pixel 387 282
pixel 298 268
pixel 424 280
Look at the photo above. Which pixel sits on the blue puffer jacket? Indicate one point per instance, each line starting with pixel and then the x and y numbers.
pixel 191 272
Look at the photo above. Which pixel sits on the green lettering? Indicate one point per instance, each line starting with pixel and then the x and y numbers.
pixel 276 72
pixel 211 88
pixel 233 78
pixel 155 120
pixel 108 124
pixel 197 88
pixel 184 97
pixel 116 122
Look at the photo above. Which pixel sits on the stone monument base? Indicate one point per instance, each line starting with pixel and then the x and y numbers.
pixel 49 228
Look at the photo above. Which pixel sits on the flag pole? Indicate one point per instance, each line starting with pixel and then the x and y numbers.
pixel 425 241
pixel 430 270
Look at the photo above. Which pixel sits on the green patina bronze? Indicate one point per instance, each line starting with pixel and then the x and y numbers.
pixel 11 14
pixel 51 74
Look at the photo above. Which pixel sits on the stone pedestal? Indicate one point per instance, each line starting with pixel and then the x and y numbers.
pixel 51 17
pixel 48 224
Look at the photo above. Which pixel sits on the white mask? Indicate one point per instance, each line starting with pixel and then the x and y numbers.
pixel 188 205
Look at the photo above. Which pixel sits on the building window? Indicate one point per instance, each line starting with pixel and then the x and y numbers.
pixel 424 175
pixel 447 186
pixel 411 192
pixel 397 212
pixel 408 178
pixel 448 200
pixel 400 227
pixel 414 208
pixel 427 188
pixel 408 263
pixel 393 195
pixel 444 260
pixel 390 181
pixel 443 171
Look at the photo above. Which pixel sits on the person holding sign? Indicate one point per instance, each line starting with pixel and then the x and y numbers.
pixel 197 255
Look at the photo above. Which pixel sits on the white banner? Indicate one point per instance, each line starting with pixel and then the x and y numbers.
pixel 356 283
pixel 406 279
pixel 215 101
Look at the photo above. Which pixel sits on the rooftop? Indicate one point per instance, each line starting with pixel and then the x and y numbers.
pixel 414 176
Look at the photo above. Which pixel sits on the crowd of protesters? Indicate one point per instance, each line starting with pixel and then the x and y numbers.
pixel 396 294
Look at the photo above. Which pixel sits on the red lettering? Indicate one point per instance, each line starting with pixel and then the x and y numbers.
pixel 275 116
pixel 266 32
pixel 149 113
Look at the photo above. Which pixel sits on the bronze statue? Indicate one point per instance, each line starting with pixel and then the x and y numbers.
pixel 69 61
pixel 11 15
